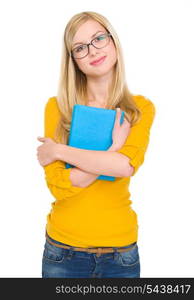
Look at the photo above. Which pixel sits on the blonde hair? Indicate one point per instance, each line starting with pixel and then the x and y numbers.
pixel 72 81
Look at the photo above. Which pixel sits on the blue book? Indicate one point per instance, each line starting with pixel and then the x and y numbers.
pixel 91 129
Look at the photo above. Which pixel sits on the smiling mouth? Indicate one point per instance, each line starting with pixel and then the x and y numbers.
pixel 98 61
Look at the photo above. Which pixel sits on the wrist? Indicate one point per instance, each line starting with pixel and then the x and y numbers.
pixel 113 147
pixel 60 151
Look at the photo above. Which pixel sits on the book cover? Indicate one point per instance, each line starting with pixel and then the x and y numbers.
pixel 91 129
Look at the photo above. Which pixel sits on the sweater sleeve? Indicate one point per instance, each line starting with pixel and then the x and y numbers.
pixel 56 175
pixel 137 142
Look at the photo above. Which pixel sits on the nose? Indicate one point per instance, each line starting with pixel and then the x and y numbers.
pixel 92 49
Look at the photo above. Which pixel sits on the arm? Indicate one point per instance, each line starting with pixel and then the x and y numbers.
pixel 108 163
pixel 138 140
pixel 67 182
pixel 85 178
pixel 57 177
pixel 60 181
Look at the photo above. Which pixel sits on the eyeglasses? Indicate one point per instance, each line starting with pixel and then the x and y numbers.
pixel 98 42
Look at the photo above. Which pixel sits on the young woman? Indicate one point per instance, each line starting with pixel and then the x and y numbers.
pixel 92 230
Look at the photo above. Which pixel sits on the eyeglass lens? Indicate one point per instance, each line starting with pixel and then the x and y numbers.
pixel 98 42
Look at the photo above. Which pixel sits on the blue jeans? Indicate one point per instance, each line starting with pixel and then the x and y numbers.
pixel 68 263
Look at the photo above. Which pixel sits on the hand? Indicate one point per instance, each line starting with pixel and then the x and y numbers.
pixel 120 132
pixel 46 153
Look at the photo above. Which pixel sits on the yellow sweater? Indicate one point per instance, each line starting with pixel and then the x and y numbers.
pixel 100 214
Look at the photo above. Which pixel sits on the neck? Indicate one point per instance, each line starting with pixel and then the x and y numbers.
pixel 98 89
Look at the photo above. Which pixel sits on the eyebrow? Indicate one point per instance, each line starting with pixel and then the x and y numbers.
pixel 91 37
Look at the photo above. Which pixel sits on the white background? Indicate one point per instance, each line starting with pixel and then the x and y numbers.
pixel 156 37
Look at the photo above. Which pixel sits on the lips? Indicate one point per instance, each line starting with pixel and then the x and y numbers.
pixel 101 59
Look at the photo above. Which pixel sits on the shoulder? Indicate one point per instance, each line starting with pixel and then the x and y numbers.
pixel 144 103
pixel 52 101
pixel 52 105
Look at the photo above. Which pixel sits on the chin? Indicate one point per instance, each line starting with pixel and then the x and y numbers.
pixel 99 73
pixel 103 69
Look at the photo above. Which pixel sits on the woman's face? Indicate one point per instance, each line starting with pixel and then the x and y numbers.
pixel 86 32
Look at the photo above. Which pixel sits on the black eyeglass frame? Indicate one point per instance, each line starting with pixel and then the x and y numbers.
pixel 91 43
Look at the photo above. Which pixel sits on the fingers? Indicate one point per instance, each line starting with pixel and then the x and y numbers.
pixel 118 116
pixel 126 123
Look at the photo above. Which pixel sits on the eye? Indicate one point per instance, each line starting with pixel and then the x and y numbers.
pixel 100 37
pixel 80 48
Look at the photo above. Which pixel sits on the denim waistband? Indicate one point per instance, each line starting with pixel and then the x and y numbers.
pixel 113 247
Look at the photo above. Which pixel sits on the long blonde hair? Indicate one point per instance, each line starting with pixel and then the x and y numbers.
pixel 73 83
